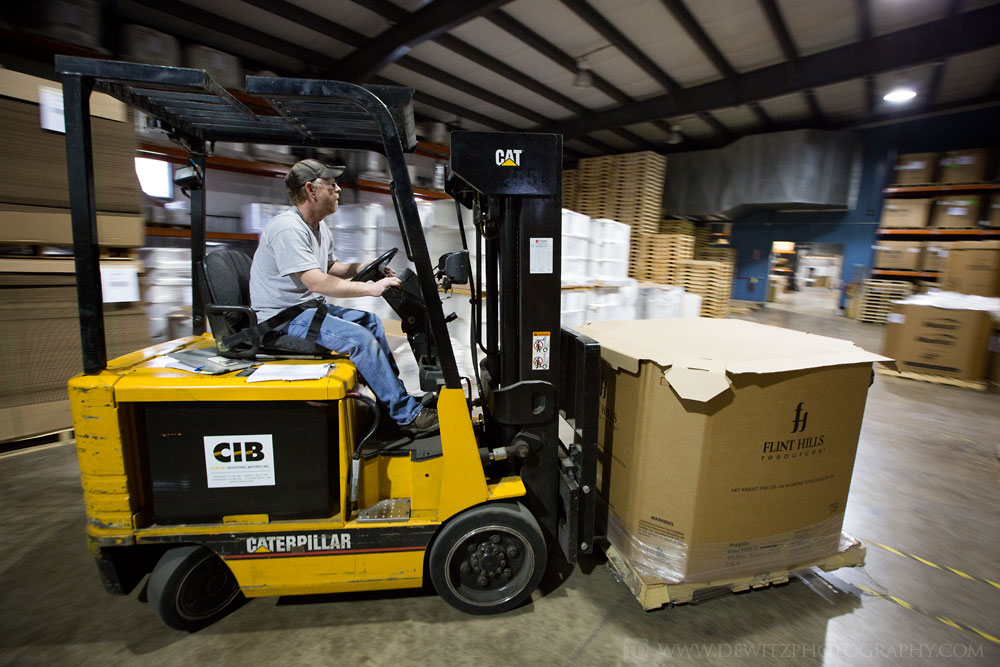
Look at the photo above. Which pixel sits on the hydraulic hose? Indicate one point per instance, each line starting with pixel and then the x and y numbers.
pixel 356 459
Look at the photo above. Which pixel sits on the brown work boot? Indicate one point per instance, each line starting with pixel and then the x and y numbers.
pixel 425 422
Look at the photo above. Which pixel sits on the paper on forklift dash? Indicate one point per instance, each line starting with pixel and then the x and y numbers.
pixel 290 372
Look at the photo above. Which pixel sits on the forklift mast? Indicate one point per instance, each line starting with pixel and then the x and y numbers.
pixel 513 184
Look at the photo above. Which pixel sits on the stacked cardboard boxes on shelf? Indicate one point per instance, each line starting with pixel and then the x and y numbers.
pixel 39 327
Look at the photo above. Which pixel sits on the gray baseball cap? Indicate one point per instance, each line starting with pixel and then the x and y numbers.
pixel 309 170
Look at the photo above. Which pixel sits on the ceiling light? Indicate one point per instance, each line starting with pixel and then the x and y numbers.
pixel 584 78
pixel 900 95
pixel 675 137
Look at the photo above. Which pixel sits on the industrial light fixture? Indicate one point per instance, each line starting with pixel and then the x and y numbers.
pixel 675 137
pixel 899 95
pixel 584 77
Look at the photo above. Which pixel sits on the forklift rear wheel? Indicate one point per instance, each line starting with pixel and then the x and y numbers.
pixel 191 588
pixel 489 559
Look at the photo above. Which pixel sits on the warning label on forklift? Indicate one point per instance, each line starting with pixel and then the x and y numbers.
pixel 540 255
pixel 239 460
pixel 540 350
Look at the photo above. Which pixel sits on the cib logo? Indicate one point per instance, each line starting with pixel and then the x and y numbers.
pixel 800 419
pixel 227 452
pixel 510 157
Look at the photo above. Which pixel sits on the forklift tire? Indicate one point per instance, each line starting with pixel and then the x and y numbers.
pixel 489 559
pixel 191 588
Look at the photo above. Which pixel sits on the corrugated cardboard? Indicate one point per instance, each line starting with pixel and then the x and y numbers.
pixel 965 166
pixel 902 255
pixel 939 341
pixel 915 168
pixel 993 216
pixel 905 213
pixel 973 268
pixel 935 256
pixel 956 212
pixel 726 447
pixel 52 226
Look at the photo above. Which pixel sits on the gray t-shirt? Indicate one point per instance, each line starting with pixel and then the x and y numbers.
pixel 288 245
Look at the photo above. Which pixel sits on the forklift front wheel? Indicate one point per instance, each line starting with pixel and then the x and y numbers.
pixel 191 588
pixel 489 559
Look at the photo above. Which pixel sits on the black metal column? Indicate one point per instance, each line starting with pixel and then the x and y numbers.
pixel 197 236
pixel 83 213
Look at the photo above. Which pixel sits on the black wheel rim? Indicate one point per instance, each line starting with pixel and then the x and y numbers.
pixel 206 589
pixel 490 565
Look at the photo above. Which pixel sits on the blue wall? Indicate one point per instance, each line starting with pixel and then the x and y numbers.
pixel 753 234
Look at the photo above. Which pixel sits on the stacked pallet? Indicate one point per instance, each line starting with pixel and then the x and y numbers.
pixel 657 258
pixel 715 253
pixel 713 281
pixel 571 180
pixel 702 239
pixel 677 227
pixel 627 188
pixel 876 296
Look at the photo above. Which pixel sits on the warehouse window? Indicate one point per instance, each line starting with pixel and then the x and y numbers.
pixel 155 177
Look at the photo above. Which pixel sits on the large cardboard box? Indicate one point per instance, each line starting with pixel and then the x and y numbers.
pixel 905 213
pixel 935 256
pixel 965 166
pixel 902 255
pixel 993 214
pixel 934 340
pixel 915 168
pixel 956 212
pixel 726 447
pixel 973 268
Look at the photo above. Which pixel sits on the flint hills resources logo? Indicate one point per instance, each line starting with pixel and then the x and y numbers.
pixel 793 448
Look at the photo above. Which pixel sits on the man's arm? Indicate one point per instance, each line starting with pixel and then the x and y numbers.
pixel 334 286
pixel 342 270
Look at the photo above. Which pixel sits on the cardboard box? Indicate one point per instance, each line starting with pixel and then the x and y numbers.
pixel 973 268
pixel 939 341
pixel 956 212
pixel 53 226
pixel 993 214
pixel 935 256
pixel 966 166
pixel 905 213
pixel 915 168
pixel 902 255
pixel 726 447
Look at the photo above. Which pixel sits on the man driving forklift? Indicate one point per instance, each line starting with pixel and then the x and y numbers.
pixel 295 262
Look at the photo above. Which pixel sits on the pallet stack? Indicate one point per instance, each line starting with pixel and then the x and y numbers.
pixel 677 227
pixel 875 297
pixel 715 253
pixel 627 188
pixel 571 180
pixel 712 280
pixel 657 258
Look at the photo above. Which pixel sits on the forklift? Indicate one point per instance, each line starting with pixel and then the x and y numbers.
pixel 222 488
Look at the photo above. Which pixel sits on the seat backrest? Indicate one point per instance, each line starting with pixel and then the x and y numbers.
pixel 227 278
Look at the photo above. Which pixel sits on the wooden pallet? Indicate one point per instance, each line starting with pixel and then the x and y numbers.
pixel 978 385
pixel 653 592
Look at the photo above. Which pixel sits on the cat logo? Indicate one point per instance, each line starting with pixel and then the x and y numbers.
pixel 509 157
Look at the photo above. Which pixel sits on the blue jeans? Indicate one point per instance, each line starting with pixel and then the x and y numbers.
pixel 359 335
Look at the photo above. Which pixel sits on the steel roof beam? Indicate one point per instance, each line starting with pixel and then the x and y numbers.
pixel 789 50
pixel 434 19
pixel 968 31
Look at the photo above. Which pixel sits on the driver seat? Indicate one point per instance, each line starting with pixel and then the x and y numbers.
pixel 225 291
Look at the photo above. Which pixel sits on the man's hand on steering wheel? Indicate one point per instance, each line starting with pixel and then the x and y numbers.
pixel 382 285
pixel 377 268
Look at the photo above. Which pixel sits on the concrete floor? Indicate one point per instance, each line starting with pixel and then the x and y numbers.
pixel 926 483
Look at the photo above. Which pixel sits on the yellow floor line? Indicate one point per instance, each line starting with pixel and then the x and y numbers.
pixel 943 568
pixel 912 607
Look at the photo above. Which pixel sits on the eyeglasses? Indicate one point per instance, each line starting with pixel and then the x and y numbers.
pixel 332 186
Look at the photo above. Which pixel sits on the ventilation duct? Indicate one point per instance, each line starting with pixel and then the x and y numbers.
pixel 806 170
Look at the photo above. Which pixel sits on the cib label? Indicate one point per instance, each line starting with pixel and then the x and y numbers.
pixel 239 460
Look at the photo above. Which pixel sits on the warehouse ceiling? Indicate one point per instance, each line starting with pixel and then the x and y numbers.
pixel 665 75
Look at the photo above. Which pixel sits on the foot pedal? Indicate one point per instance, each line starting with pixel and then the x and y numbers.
pixel 391 509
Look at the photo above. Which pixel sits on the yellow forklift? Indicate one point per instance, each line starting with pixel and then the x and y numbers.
pixel 221 487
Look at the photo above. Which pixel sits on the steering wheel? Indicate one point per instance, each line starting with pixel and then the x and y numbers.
pixel 375 270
